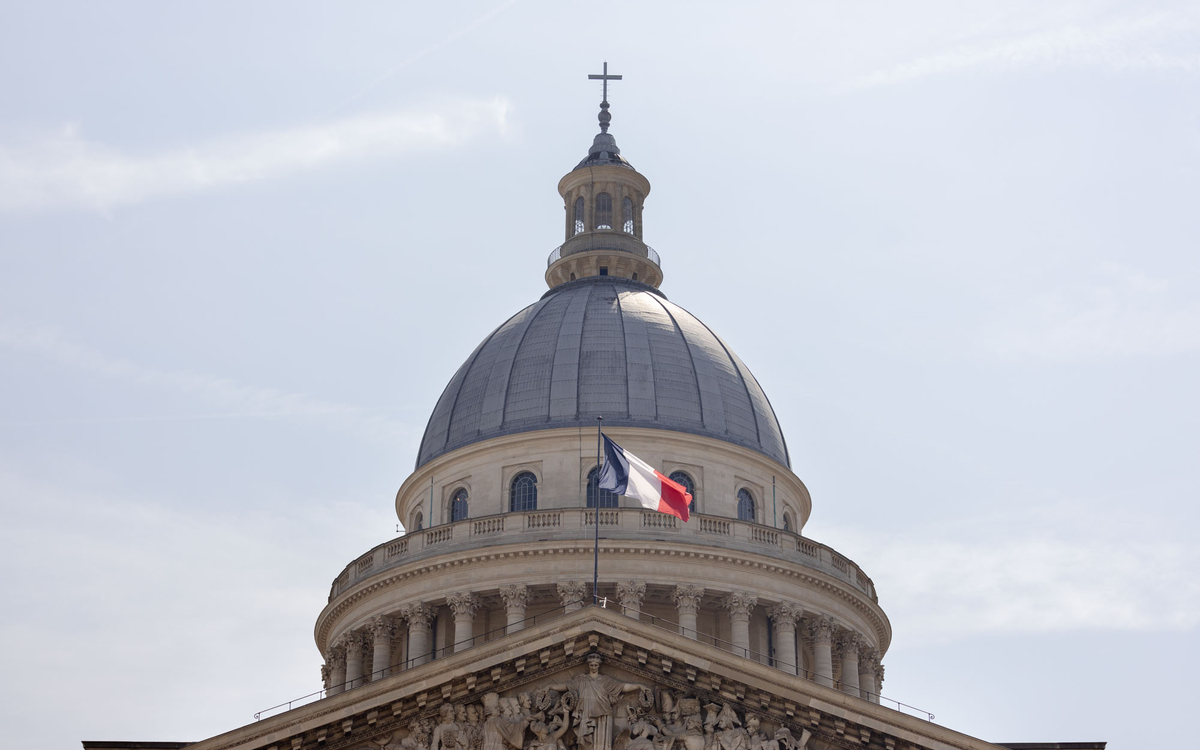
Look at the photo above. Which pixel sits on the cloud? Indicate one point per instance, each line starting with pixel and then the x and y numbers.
pixel 1058 569
pixel 237 399
pixel 1121 313
pixel 65 170
pixel 1160 41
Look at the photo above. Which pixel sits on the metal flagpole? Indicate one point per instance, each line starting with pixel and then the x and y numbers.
pixel 596 516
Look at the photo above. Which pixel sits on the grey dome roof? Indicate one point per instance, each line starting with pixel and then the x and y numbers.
pixel 603 346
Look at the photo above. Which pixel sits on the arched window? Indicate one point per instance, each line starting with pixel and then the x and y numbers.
pixel 607 499
pixel 745 505
pixel 572 277
pixel 579 225
pixel 682 477
pixel 635 275
pixel 604 211
pixel 418 521
pixel 522 493
pixel 458 506
pixel 627 216
pixel 787 521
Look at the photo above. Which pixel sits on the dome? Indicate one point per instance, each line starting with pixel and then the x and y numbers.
pixel 603 346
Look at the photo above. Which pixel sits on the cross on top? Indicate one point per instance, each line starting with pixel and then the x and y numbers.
pixel 604 77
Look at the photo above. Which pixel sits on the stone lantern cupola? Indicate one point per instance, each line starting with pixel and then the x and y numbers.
pixel 603 198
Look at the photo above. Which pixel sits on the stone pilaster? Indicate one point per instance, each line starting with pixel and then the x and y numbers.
pixel 848 644
pixel 516 599
pixel 740 604
pixel 629 594
pixel 571 593
pixel 463 604
pixel 420 618
pixel 355 642
pixel 381 647
pixel 336 659
pixel 820 629
pixel 687 604
pixel 868 660
pixel 783 619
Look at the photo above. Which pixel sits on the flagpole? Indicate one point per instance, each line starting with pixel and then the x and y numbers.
pixel 596 517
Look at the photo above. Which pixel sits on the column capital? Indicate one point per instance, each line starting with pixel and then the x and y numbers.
pixel 739 603
pixel 382 626
pixel 515 596
pixel 820 629
pixel 687 598
pixel 418 614
pixel 785 614
pixel 878 677
pixel 463 604
pixel 571 593
pixel 630 593
pixel 336 655
pixel 326 674
pixel 868 659
pixel 848 643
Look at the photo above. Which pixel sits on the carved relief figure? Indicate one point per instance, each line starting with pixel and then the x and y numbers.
pixel 445 734
pixel 731 736
pixel 550 737
pixel 499 730
pixel 597 696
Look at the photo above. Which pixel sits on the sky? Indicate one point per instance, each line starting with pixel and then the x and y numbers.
pixel 244 246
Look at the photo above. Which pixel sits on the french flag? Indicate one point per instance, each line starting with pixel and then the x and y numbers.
pixel 626 474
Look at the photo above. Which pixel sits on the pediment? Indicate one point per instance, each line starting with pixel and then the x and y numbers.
pixel 686 695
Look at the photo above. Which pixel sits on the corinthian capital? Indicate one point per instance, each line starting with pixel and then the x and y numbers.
pixel 418 614
pixel 335 657
pixel 515 596
pixel 571 593
pixel 820 629
pixel 739 603
pixel 463 604
pixel 630 593
pixel 382 626
pixel 848 643
pixel 354 641
pixel 785 615
pixel 868 659
pixel 687 598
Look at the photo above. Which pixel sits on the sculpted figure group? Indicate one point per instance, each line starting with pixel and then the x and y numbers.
pixel 582 714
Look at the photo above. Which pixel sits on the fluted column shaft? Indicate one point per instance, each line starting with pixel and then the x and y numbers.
pixel 381 655
pixel 463 605
pixel 687 604
pixel 821 630
pixel 849 643
pixel 337 668
pixel 420 618
pixel 740 604
pixel 867 662
pixel 516 599
pixel 783 619
pixel 354 660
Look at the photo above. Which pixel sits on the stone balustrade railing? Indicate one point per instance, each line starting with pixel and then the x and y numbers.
pixel 615 523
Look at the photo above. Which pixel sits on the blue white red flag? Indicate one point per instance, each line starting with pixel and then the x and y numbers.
pixel 628 475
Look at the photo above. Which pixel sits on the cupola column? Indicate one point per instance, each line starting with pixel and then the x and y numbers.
pixel 420 617
pixel 687 603
pixel 336 658
pixel 463 605
pixel 630 594
pixel 740 604
pixel 381 656
pixel 355 642
pixel 821 631
pixel 868 660
pixel 848 644
pixel 516 599
pixel 783 619
pixel 571 594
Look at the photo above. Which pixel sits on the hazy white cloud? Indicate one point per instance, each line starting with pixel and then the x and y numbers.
pixel 65 169
pixel 1060 569
pixel 1121 313
pixel 234 398
pixel 1158 41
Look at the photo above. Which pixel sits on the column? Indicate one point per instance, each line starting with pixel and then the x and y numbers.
pixel 381 655
pixel 336 659
pixel 571 593
pixel 820 629
pixel 630 594
pixel 848 644
pixel 687 603
pixel 878 680
pixel 420 618
pixel 516 598
pixel 739 604
pixel 463 604
pixel 868 659
pixel 354 659
pixel 783 620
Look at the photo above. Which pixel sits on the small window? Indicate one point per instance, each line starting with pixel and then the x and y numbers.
pixel 522 493
pixel 458 506
pixel 787 521
pixel 682 477
pixel 572 277
pixel 604 211
pixel 603 270
pixel 635 275
pixel 627 216
pixel 607 499
pixel 745 505
pixel 418 521
pixel 579 225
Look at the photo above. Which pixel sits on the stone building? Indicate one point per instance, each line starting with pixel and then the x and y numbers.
pixel 480 627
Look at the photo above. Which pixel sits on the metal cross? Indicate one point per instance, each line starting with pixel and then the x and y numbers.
pixel 604 77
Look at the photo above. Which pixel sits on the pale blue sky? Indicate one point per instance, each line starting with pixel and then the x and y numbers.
pixel 243 247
